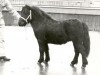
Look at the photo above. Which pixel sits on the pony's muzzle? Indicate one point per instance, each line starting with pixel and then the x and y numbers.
pixel 21 22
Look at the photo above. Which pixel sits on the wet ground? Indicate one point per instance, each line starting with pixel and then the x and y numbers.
pixel 22 48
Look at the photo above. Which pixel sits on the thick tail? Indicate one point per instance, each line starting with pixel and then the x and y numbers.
pixel 86 39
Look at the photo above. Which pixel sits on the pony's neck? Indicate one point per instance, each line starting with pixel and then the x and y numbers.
pixel 41 22
pixel 41 19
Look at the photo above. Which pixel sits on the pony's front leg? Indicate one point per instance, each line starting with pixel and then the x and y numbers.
pixel 47 58
pixel 41 50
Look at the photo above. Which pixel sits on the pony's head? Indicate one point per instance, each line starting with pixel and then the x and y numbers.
pixel 26 15
pixel 31 14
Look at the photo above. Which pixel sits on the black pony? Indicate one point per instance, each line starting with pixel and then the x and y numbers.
pixel 48 30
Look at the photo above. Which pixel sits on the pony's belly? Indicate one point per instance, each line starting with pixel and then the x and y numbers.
pixel 57 40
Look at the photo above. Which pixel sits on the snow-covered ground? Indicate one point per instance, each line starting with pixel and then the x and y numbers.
pixel 22 48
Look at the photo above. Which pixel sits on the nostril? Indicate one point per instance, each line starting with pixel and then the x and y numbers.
pixel 21 23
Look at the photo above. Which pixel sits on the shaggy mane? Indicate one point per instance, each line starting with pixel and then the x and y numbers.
pixel 40 12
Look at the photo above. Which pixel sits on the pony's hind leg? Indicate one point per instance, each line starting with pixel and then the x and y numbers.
pixel 85 62
pixel 79 48
pixel 47 58
pixel 83 53
pixel 84 59
pixel 75 59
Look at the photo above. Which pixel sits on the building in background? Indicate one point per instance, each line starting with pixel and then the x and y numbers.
pixel 85 10
pixel 95 3
pixel 52 3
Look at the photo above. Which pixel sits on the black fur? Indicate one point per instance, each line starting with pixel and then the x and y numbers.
pixel 48 30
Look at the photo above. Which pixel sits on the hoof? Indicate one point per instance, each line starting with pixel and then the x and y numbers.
pixel 82 67
pixel 40 60
pixel 47 60
pixel 72 65
pixel 4 58
pixel 74 62
pixel 46 63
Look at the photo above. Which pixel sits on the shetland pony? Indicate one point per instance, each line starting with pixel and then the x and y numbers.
pixel 47 30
